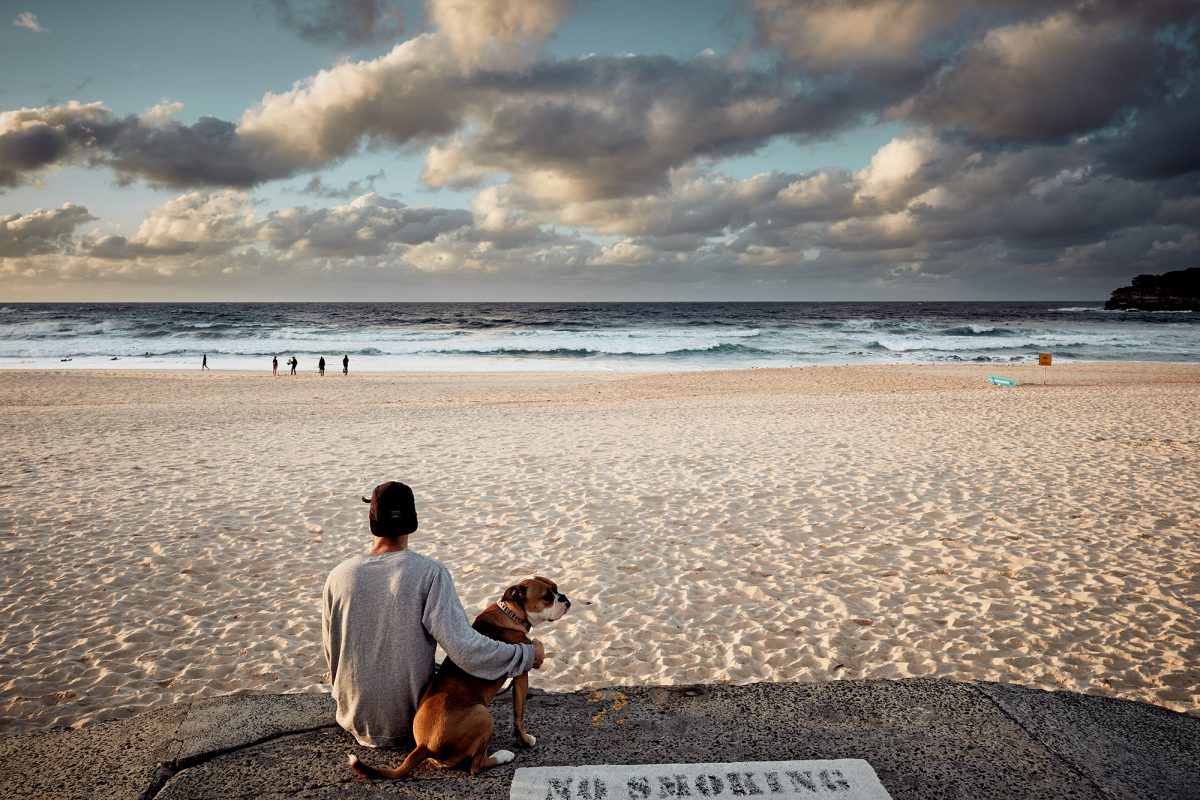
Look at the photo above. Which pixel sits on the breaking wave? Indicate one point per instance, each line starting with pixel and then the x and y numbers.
pixel 585 336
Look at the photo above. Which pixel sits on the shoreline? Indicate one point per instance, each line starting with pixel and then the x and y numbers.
pixel 165 535
pixel 1029 368
pixel 334 369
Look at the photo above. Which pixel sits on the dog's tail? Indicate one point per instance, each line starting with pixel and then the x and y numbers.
pixel 414 760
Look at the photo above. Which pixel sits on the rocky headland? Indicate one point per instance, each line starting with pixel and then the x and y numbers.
pixel 1172 291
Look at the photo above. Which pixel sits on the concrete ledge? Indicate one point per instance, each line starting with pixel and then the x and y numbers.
pixel 1134 750
pixel 925 738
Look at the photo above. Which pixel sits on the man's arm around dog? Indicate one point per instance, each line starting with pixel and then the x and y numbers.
pixel 383 618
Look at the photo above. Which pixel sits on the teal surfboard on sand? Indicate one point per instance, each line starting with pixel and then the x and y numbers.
pixel 996 379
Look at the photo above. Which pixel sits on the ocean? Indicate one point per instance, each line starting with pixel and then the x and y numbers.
pixel 486 337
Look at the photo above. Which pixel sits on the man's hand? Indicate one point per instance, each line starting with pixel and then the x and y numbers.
pixel 539 654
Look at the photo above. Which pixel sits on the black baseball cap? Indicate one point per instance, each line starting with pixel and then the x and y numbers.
pixel 393 510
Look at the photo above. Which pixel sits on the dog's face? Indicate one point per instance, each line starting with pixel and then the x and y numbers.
pixel 540 598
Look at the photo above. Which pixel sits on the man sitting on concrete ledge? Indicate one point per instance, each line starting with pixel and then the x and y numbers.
pixel 383 613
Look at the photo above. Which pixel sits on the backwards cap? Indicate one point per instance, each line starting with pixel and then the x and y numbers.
pixel 393 510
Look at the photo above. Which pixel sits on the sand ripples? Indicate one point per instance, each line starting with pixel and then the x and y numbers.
pixel 168 539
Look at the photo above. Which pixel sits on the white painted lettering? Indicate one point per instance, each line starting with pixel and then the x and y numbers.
pixel 846 778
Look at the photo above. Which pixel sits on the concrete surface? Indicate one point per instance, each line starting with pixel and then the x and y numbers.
pixel 924 738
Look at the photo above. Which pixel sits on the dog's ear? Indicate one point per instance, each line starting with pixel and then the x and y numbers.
pixel 514 594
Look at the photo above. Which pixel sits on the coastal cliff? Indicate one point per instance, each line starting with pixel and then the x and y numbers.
pixel 1172 291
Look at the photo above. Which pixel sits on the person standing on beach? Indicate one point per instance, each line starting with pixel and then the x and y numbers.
pixel 204 361
pixel 293 362
pixel 382 615
pixel 274 365
pixel 346 364
pixel 321 366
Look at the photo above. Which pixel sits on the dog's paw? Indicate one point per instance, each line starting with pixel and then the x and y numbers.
pixel 352 760
pixel 503 756
pixel 529 739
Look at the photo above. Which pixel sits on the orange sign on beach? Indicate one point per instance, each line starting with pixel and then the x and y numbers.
pixel 1043 359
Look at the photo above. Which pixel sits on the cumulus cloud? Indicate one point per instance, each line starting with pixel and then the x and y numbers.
pixel 33 138
pixel 194 228
pixel 830 34
pixel 43 231
pixel 215 238
pixel 502 34
pixel 342 23
pixel 921 201
pixel 917 191
pixel 589 127
pixel 1054 133
pixel 29 21
pixel 161 112
pixel 193 224
pixel 999 69
pixel 412 92
pixel 199 220
pixel 1042 79
pixel 155 149
pixel 920 191
pixel 850 34
pixel 609 126
pixel 1026 213
pixel 903 168
pixel 369 225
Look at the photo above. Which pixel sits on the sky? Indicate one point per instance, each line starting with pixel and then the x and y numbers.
pixel 558 150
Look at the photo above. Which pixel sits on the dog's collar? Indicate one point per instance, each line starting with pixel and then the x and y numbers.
pixel 523 622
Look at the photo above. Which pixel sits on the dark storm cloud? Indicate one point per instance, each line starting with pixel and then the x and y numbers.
pixel 342 23
pixel 1160 142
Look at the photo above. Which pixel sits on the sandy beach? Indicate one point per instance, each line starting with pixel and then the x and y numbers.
pixel 165 536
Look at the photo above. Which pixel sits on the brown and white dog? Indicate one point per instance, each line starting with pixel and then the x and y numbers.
pixel 453 725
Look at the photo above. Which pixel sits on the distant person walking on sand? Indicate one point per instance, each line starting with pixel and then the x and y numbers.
pixel 293 362
pixel 384 612
pixel 274 365
pixel 321 366
pixel 346 364
pixel 204 361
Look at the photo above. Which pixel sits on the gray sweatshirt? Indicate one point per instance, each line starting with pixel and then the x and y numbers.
pixel 382 617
